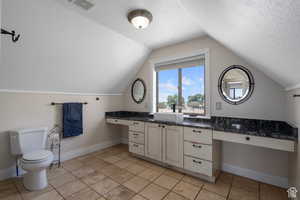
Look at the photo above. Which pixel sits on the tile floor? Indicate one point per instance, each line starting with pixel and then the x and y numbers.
pixel 113 174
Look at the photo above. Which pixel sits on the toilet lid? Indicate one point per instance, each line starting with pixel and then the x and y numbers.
pixel 37 155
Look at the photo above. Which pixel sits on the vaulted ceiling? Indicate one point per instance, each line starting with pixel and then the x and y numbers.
pixel 102 51
pixel 265 32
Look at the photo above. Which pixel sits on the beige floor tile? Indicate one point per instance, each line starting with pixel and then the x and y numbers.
pixel 245 183
pixel 83 171
pixel 269 192
pixel 187 190
pixel 138 197
pixel 154 192
pixel 11 196
pixel 193 180
pixel 93 178
pixel 26 194
pixel 206 195
pixel 120 193
pixel 136 184
pixel 61 180
pixel 122 176
pixel 150 174
pixel 124 155
pixel 136 169
pixel 105 186
pixel 52 195
pixel 55 172
pixel 97 164
pixel 166 181
pixel 144 163
pixel 242 194
pixel 72 165
pixel 110 170
pixel 158 168
pixel 71 188
pixel 123 163
pixel 225 177
pixel 174 196
pixel 112 159
pixel 219 188
pixel 174 174
pixel 85 194
pixel 85 158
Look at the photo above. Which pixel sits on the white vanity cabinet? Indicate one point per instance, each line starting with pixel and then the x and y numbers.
pixel 201 153
pixel 153 141
pixel 164 143
pixel 173 145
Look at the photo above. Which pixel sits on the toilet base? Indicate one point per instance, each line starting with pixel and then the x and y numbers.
pixel 35 180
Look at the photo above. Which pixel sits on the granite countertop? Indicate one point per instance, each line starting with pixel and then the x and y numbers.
pixel 255 127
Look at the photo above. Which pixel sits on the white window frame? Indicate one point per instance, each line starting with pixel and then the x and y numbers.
pixel 207 92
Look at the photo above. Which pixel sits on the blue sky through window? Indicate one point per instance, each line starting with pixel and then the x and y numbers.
pixel 192 82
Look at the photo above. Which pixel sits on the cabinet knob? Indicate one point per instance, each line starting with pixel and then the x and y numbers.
pixel 198 162
pixel 247 138
pixel 196 131
pixel 197 146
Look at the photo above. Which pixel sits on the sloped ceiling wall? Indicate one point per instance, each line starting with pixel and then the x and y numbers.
pixel 59 50
pixel 265 32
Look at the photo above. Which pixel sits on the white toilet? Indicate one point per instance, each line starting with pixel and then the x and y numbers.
pixel 31 144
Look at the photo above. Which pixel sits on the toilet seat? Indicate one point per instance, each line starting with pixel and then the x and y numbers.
pixel 37 156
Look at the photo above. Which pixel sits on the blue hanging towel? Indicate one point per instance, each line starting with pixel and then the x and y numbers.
pixel 72 119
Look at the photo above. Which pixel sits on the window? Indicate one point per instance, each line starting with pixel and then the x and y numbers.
pixel 182 82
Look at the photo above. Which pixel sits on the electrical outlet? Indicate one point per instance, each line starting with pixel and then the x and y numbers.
pixel 218 105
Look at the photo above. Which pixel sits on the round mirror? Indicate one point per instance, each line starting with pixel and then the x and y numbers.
pixel 236 84
pixel 138 91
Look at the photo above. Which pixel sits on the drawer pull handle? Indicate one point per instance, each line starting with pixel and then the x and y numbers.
pixel 135 123
pixel 135 134
pixel 195 131
pixel 198 162
pixel 116 120
pixel 247 138
pixel 135 145
pixel 197 146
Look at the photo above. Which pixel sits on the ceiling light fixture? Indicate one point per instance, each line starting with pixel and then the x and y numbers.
pixel 140 18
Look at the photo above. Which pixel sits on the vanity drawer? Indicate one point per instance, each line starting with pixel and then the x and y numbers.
pixel 136 137
pixel 137 126
pixel 272 143
pixel 202 151
pixel 117 121
pixel 198 166
pixel 198 135
pixel 137 148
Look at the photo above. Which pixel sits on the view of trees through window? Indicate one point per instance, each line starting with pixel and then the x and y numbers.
pixel 190 88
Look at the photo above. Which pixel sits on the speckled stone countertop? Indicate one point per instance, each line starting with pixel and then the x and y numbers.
pixel 255 127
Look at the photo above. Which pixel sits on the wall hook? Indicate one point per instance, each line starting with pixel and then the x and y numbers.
pixel 14 37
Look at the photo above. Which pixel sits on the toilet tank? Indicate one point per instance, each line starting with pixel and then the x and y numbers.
pixel 27 140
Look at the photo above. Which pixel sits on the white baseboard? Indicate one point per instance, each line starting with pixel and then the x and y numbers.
pixel 124 140
pixel 259 176
pixel 11 171
pixel 82 151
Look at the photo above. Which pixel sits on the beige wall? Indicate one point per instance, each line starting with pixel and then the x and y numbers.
pixel 23 110
pixel 266 103
pixel 293 116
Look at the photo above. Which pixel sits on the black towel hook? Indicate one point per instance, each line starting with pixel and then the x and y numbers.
pixel 14 37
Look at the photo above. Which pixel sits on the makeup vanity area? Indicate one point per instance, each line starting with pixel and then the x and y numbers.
pixel 193 145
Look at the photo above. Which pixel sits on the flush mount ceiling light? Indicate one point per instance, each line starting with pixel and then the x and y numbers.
pixel 140 18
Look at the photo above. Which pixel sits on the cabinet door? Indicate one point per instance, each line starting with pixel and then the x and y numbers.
pixel 173 145
pixel 153 141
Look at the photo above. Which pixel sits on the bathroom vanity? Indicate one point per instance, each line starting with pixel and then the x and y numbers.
pixel 193 146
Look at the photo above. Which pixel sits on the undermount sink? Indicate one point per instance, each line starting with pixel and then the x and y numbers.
pixel 169 117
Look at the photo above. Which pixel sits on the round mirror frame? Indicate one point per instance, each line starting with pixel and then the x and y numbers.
pixel 145 90
pixel 251 84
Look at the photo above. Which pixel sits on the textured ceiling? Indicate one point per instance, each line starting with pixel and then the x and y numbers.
pixel 265 32
pixel 61 51
pixel 171 24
